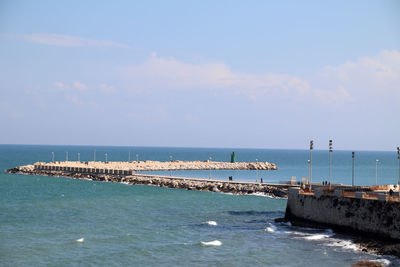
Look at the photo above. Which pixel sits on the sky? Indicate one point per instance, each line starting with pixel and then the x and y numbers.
pixel 240 74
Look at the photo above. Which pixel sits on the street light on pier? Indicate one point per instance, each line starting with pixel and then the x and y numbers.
pixel 256 170
pixel 352 169
pixel 79 157
pixel 330 162
pixel 398 157
pixel 376 171
pixel 310 162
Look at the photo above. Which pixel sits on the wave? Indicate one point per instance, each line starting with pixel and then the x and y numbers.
pixel 316 237
pixel 216 243
pixel 327 238
pixel 346 244
pixel 271 228
pixel 211 223
pixel 80 240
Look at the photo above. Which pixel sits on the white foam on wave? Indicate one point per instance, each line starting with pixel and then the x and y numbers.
pixel 260 194
pixel 216 243
pixel 316 237
pixel 296 233
pixel 80 240
pixel 211 223
pixel 271 228
pixel 384 262
pixel 346 244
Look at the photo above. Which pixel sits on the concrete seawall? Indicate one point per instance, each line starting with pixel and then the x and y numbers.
pixel 379 217
pixel 128 176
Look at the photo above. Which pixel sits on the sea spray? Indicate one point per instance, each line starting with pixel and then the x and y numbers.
pixel 215 243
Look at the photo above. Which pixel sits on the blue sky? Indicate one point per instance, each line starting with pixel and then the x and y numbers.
pixel 259 74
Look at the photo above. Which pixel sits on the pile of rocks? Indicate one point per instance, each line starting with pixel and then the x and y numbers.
pixel 166 181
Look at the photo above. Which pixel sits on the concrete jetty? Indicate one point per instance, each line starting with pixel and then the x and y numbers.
pixel 115 173
pixel 372 212
pixel 150 165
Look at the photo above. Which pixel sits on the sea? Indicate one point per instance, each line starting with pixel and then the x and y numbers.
pixel 49 221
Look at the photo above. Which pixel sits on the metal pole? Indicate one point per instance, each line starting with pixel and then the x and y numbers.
pixel 376 172
pixel 94 155
pixel 79 157
pixel 52 157
pixel 129 156
pixel 106 156
pixel 352 169
pixel 137 157
pixel 330 162
pixel 309 181
pixel 66 156
pixel 310 167
pixel 398 157
pixel 256 170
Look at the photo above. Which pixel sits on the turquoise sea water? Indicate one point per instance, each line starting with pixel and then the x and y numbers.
pixel 41 218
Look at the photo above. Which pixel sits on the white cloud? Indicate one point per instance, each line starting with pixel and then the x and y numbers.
pixel 64 40
pixel 60 85
pixel 379 73
pixel 106 88
pixel 75 86
pixel 79 86
pixel 169 73
pixel 330 85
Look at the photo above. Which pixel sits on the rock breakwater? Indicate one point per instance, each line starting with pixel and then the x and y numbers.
pixel 241 188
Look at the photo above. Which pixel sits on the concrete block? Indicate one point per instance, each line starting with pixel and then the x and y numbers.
pixel 318 193
pixel 294 191
pixel 338 193
pixel 359 194
pixel 382 196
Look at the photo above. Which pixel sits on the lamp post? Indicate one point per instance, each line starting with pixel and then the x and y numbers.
pixel 398 157
pixel 210 166
pixel 129 156
pixel 376 171
pixel 310 162
pixel 52 157
pixel 79 157
pixel 256 170
pixel 330 162
pixel 352 169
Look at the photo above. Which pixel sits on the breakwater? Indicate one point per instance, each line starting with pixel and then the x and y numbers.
pixel 129 177
pixel 373 214
pixel 150 165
